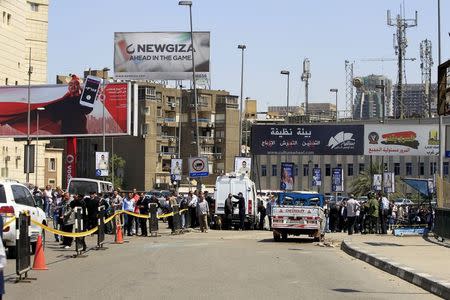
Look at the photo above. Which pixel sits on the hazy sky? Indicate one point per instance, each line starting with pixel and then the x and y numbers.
pixel 278 35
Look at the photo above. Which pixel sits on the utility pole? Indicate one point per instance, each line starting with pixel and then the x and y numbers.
pixel 426 62
pixel 400 44
pixel 305 77
pixel 30 71
pixel 349 88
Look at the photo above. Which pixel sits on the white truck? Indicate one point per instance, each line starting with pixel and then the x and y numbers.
pixel 298 213
pixel 235 183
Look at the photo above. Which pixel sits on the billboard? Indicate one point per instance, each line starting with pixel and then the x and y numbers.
pixel 242 165
pixel 337 180
pixel 377 179
pixel 308 139
pixel 64 114
pixel 160 55
pixel 176 169
pixel 389 182
pixel 198 167
pixel 287 177
pixel 395 140
pixel 101 164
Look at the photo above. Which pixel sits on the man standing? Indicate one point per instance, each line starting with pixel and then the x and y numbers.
pixel 202 213
pixel 241 200
pixel 48 199
pixel 128 205
pixel 372 213
pixel 262 214
pixel 228 210
pixel 79 202
pixel 384 205
pixel 192 198
pixel 143 204
pixel 270 206
pixel 68 220
pixel 352 208
pixel 92 204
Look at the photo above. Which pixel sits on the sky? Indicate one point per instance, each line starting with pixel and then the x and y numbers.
pixel 278 35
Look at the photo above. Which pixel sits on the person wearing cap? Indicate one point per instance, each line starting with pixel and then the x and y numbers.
pixel 241 204
pixel 352 208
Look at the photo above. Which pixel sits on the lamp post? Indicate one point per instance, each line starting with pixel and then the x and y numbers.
pixel 37 143
pixel 336 92
pixel 104 104
pixel 284 72
pixel 30 71
pixel 179 121
pixel 189 3
pixel 242 47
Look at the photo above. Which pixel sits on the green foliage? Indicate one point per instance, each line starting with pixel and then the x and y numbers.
pixel 119 164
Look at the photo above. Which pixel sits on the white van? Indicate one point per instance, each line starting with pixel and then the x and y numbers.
pixel 234 184
pixel 85 186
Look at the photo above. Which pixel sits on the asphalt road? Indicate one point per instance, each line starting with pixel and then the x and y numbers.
pixel 213 265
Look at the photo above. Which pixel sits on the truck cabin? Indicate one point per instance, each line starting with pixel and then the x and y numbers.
pixel 301 199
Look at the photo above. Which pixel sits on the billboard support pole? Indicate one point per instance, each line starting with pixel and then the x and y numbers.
pixel 104 104
pixel 30 71
pixel 71 155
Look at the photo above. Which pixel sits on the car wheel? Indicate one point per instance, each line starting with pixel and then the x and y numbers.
pixel 284 236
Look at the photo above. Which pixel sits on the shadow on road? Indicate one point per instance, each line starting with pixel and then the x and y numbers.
pixel 348 291
pixel 289 240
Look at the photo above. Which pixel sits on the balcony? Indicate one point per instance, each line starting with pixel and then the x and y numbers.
pixel 167 155
pixel 168 139
pixel 203 122
pixel 207 140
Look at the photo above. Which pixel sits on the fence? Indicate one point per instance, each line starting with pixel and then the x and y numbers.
pixel 442 223
pixel 442 192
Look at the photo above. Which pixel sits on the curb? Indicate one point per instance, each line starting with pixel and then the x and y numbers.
pixel 425 281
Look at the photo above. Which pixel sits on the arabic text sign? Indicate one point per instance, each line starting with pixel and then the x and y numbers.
pixel 308 139
pixel 395 140
pixel 160 55
pixel 198 167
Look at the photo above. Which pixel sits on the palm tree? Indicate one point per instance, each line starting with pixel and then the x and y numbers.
pixel 362 184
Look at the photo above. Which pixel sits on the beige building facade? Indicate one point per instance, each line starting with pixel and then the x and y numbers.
pixel 23 26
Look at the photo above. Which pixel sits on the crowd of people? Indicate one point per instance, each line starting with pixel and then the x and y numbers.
pixel 376 215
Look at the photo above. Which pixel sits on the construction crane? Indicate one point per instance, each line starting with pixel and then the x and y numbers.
pixel 382 59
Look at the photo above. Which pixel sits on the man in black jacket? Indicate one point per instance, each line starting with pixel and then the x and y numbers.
pixel 92 204
pixel 241 199
pixel 143 204
pixel 79 202
pixel 228 210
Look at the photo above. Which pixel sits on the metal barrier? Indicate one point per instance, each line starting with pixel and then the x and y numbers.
pixel 442 223
pixel 101 227
pixel 23 260
pixel 79 227
pixel 153 219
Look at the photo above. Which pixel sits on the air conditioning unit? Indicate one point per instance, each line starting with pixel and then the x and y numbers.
pixel 171 140
pixel 7 158
pixel 144 136
pixel 210 124
pixel 18 157
pixel 173 105
pixel 160 155
pixel 219 156
pixel 174 156
pixel 219 140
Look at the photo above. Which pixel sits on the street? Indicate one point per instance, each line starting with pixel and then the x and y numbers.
pixel 217 265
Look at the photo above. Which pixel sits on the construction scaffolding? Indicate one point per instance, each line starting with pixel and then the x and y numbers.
pixel 426 62
pixel 349 90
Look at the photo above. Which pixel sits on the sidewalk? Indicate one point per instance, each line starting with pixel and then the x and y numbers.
pixel 414 259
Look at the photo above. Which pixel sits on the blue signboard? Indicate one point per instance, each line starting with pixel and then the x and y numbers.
pixel 317 177
pixel 337 180
pixel 287 176
pixel 308 139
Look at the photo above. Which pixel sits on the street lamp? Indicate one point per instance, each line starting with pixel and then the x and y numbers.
pixel 189 3
pixel 284 72
pixel 242 47
pixel 37 143
pixel 335 91
pixel 30 71
pixel 105 70
pixel 179 121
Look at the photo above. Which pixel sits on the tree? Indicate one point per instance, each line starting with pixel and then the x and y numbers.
pixel 362 184
pixel 119 165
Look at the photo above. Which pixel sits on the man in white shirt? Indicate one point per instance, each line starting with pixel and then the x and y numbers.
pixel 352 208
pixel 384 213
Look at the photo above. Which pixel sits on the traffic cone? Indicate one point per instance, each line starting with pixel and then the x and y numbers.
pixel 39 258
pixel 119 236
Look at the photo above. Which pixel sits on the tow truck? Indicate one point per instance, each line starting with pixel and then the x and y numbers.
pixel 298 213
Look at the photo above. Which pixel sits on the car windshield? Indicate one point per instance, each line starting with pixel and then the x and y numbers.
pixel 82 187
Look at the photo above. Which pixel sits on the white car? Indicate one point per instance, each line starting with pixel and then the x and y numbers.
pixel 15 198
pixel 403 201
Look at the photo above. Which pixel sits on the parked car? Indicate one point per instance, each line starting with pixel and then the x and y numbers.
pixel 403 201
pixel 14 198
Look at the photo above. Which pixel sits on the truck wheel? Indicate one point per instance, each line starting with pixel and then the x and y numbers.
pixel 317 239
pixel 284 236
pixel 276 236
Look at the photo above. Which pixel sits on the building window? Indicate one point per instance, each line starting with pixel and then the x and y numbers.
pixel 305 170
pixel 432 168
pixel 6 81
pixel 408 169
pixel 339 165
pixel 327 170
pixel 274 170
pixel 16 83
pixel 52 165
pixel 396 168
pixel 421 168
pixel 445 168
pixel 295 170
pixel 8 19
pixel 263 170
pixel 350 170
pixel 361 168
pixel 34 6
